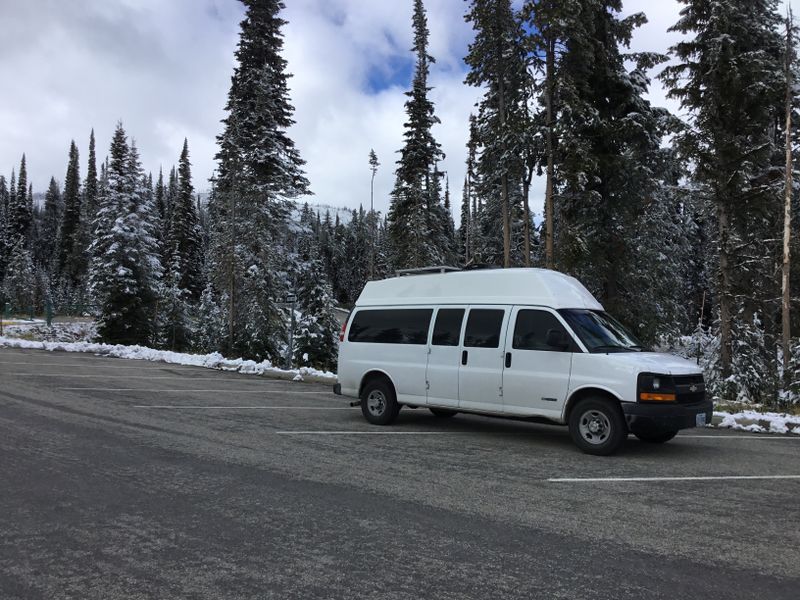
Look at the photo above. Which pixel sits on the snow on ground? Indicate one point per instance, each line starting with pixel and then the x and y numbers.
pixel 756 422
pixel 67 331
pixel 208 361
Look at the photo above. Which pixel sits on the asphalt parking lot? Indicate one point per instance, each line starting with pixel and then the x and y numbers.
pixel 128 479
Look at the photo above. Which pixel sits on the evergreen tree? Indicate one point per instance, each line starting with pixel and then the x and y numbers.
pixel 125 268
pixel 417 219
pixel 71 222
pixel 183 241
pixel 315 340
pixel 20 210
pixel 612 169
pixel 497 63
pixel 47 241
pixel 77 265
pixel 4 201
pixel 161 208
pixel 735 53
pixel 183 260
pixel 260 172
pixel 20 281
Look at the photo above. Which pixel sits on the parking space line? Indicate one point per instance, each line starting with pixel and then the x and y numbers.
pixel 184 391
pixel 381 433
pixel 769 437
pixel 173 407
pixel 103 376
pixel 644 479
pixel 85 366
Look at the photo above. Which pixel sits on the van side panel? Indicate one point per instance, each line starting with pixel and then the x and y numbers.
pixel 404 363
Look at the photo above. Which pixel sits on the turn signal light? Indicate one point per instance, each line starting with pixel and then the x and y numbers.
pixel 341 333
pixel 655 397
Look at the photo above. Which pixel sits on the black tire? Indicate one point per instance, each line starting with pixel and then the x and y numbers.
pixel 379 402
pixel 443 413
pixel 597 426
pixel 657 438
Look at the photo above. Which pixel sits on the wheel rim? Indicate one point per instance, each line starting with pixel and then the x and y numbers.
pixel 376 403
pixel 594 427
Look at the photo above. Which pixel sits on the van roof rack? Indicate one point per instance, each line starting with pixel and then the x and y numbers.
pixel 426 270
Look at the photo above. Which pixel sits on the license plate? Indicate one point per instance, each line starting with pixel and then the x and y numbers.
pixel 700 420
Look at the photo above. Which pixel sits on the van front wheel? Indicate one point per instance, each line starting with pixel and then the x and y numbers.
pixel 378 403
pixel 597 426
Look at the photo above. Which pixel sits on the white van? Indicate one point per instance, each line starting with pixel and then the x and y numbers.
pixel 520 343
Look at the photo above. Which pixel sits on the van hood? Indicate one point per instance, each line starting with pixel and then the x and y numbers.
pixel 655 362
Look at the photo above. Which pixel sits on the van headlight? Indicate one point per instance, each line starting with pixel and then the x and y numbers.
pixel 653 387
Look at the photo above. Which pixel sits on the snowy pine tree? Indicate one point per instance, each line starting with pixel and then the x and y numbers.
pixel 47 242
pixel 125 268
pixel 260 172
pixel 183 260
pixel 316 329
pixel 71 221
pixel 417 220
pixel 497 63
pixel 734 51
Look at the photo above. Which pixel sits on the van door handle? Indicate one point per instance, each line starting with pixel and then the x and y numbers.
pixel 464 356
pixel 508 360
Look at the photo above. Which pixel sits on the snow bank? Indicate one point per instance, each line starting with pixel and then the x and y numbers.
pixel 208 361
pixel 757 422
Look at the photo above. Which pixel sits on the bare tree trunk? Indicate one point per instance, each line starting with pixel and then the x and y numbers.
pixel 504 181
pixel 548 198
pixel 724 291
pixel 787 208
pixel 526 229
pixel 468 225
pixel 372 227
pixel 231 269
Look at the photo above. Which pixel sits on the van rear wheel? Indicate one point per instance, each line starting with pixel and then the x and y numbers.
pixel 379 403
pixel 443 413
pixel 597 426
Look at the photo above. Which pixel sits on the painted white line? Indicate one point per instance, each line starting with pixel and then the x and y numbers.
pixel 171 407
pixel 93 389
pixel 635 479
pixel 376 433
pixel 103 376
pixel 752 436
pixel 85 366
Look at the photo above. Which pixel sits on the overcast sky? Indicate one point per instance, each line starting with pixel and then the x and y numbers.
pixel 163 67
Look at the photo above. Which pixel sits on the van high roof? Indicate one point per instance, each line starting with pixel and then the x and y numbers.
pixel 540 287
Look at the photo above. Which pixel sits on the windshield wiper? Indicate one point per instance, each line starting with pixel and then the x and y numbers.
pixel 605 348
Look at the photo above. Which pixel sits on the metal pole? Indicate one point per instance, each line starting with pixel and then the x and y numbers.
pixel 291 336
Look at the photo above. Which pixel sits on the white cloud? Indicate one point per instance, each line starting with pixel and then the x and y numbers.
pixel 164 68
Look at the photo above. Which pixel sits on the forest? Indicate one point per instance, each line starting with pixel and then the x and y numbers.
pixel 682 226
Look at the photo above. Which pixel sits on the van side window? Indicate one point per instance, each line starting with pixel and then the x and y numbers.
pixel 400 326
pixel 530 331
pixel 448 326
pixel 483 328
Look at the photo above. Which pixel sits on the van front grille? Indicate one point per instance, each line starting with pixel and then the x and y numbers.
pixel 689 389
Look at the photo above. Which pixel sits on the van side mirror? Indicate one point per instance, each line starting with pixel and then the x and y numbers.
pixel 557 338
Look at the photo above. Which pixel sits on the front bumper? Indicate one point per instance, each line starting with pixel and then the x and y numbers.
pixel 651 418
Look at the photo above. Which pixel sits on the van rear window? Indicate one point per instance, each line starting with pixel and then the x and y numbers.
pixel 392 326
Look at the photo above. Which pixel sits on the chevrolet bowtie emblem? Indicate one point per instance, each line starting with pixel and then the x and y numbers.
pixel 693 388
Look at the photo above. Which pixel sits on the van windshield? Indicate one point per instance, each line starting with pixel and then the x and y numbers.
pixel 600 332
